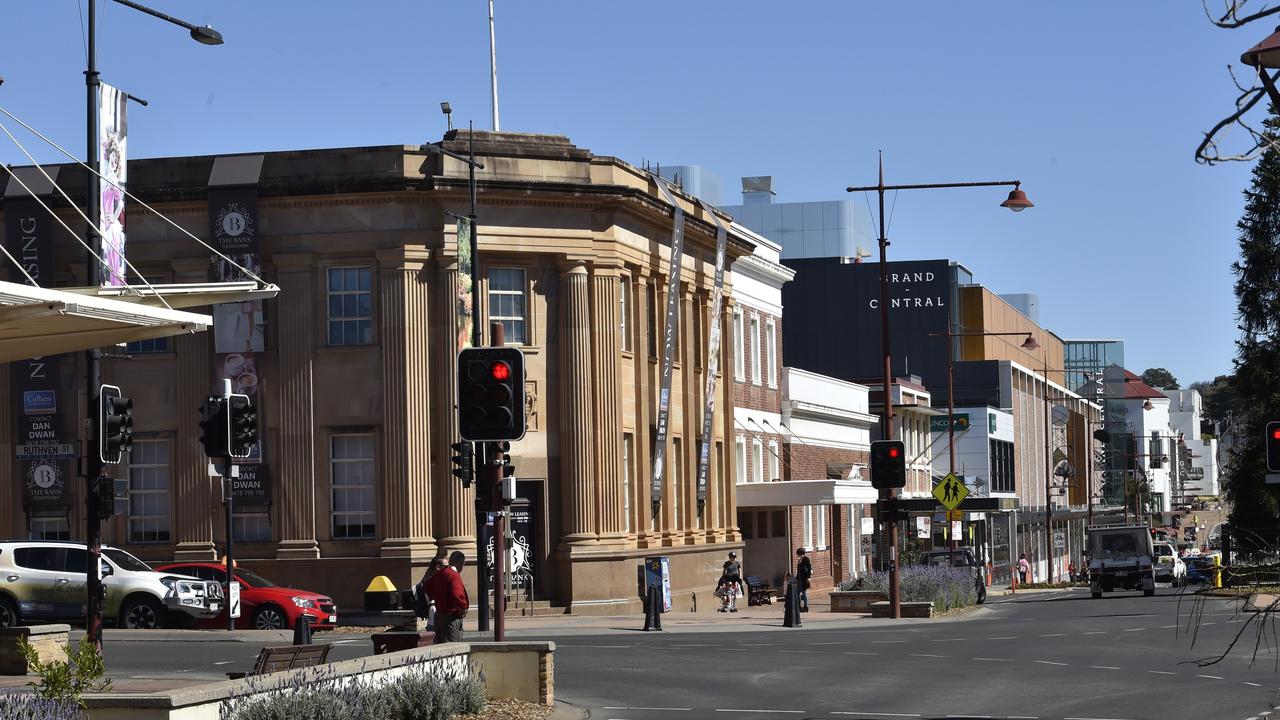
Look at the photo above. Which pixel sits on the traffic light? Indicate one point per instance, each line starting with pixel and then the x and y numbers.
pixel 491 394
pixel 888 464
pixel 1273 446
pixel 242 420
pixel 104 488
pixel 465 461
pixel 115 424
pixel 215 427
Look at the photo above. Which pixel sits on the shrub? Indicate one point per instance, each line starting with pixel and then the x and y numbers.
pixel 946 587
pixel 67 680
pixel 22 706
pixel 418 694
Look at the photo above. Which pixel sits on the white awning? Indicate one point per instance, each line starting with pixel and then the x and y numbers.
pixel 37 321
pixel 184 295
pixel 805 492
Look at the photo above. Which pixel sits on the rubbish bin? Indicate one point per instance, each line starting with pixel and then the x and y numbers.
pixel 381 595
pixel 302 630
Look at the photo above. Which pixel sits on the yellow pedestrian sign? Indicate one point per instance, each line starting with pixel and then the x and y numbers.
pixel 950 492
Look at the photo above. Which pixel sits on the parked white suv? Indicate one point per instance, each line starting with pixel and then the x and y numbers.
pixel 1168 566
pixel 43 581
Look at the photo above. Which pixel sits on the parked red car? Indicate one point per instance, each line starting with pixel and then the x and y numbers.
pixel 263 604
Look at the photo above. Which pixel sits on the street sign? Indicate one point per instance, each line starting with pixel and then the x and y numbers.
pixel 55 450
pixel 950 492
pixel 1059 540
pixel 233 599
pixel 955 515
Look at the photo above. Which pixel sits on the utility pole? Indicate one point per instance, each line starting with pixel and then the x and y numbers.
pixel 493 68
pixel 93 356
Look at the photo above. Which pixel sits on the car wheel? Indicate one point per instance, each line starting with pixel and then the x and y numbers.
pixel 142 613
pixel 269 617
pixel 1096 595
pixel 8 613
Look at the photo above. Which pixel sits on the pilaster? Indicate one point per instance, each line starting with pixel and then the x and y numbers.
pixel 608 429
pixel 405 487
pixel 194 491
pixel 455 512
pixel 577 457
pixel 297 330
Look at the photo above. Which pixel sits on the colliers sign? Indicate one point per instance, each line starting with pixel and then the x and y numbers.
pixel 913 290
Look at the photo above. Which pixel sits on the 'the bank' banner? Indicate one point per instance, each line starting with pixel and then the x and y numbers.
pixel 113 137
pixel 668 342
pixel 713 357
pixel 239 329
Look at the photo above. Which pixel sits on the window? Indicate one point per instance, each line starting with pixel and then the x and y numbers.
pixel 253 526
pixel 744 524
pixel 350 306
pixel 624 312
pixel 148 347
pixel 773 461
pixel 696 335
pixel 807 525
pixel 1001 466
pixel 351 473
pixel 755 349
pixel 50 528
pixel 626 481
pixel 757 461
pixel 149 491
pixel 820 516
pixel 740 460
pixel 651 291
pixel 779 523
pixel 507 303
pixel 739 361
pixel 771 353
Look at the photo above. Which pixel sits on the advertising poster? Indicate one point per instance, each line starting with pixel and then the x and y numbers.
pixel 924 527
pixel 113 137
pixel 668 341
pixel 239 329
pixel 713 358
pixel 463 304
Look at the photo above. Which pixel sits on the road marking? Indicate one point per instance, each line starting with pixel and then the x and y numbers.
pixel 343 642
pixel 797 651
pixel 617 707
pixel 827 643
pixel 797 712
pixel 850 712
pixel 886 642
pixel 1161 672
pixel 691 646
pixel 759 644
pixel 949 640
pixel 1210 677
pixel 991 659
pixel 1054 635
pixel 1096 632
pixel 1004 637
pixel 1049 662
pixel 223 662
pixel 1104 667
pixel 927 655
pixel 1166 627
pixel 1206 624
pixel 1246 682
pixel 851 652
pixel 1135 629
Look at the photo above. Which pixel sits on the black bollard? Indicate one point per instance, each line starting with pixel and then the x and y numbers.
pixel 790 618
pixel 302 630
pixel 657 608
pixel 652 610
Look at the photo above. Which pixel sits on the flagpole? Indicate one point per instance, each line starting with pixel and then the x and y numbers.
pixel 493 68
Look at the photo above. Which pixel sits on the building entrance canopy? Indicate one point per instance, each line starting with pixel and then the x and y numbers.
pixel 805 492
pixel 36 321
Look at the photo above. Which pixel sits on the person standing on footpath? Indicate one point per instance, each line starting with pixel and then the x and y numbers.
pixel 1024 570
pixel 804 571
pixel 446 590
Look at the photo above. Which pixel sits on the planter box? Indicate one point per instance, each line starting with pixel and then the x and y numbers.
pixel 909 609
pixel 855 601
pixel 50 642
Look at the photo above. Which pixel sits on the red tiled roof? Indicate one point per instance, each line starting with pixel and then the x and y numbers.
pixel 1135 389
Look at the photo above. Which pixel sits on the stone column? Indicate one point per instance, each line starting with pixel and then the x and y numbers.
pixel 297 311
pixel 608 430
pixel 195 493
pixel 455 506
pixel 404 326
pixel 728 518
pixel 577 459
pixel 643 447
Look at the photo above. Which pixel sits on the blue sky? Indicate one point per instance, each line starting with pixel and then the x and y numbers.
pixel 1097 107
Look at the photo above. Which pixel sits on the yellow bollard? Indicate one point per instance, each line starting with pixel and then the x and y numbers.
pixel 1217 571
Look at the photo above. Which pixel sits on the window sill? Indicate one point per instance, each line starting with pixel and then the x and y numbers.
pixel 346 348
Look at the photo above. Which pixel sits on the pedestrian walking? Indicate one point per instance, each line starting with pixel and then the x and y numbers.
pixel 446 590
pixel 1024 569
pixel 422 605
pixel 804 571
pixel 730 583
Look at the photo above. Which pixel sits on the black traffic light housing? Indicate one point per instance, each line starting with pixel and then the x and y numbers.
pixel 491 394
pixel 215 427
pixel 115 424
pixel 242 426
pixel 464 459
pixel 1273 446
pixel 888 465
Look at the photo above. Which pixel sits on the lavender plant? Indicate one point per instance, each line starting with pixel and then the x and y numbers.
pixel 946 587
pixel 24 706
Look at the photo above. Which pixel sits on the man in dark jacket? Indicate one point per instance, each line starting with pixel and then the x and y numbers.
pixel 446 590
pixel 804 571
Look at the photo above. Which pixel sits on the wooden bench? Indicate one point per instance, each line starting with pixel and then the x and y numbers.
pixel 285 657
pixel 395 641
pixel 758 593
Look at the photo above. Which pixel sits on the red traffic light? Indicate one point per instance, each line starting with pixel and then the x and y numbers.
pixel 1275 434
pixel 893 452
pixel 500 371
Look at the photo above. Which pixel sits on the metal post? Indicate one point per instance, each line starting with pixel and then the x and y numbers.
pixel 895 599
pixel 1048 477
pixel 93 356
pixel 228 499
pixel 493 68
pixel 493 476
pixel 951 438
pixel 481 456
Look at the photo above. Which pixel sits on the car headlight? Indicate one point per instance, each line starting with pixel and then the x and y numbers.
pixel 303 602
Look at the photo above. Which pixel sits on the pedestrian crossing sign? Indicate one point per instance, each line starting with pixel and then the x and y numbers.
pixel 950 492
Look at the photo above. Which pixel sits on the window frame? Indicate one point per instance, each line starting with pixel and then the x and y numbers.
pixel 371 485
pixel 806 524
pixel 757 466
pixel 771 352
pixel 522 293
pixel 163 530
pixel 740 456
pixel 739 347
pixel 628 452
pixel 625 343
pixel 753 328
pixel 330 319
pixel 774 464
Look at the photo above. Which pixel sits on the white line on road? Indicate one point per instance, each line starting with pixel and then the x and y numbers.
pixel 1210 677
pixel 758 644
pixel 691 646
pixel 1161 672
pixel 991 659
pixel 797 712
pixel 1096 632
pixel 1166 627
pixel 1246 682
pixel 797 651
pixel 617 707
pixel 828 643
pixel 1134 629
pixel 927 655
pixel 344 642
pixel 1054 635
pixel 1049 662
pixel 852 652
pixel 880 714
pixel 223 662
pixel 1104 667
pixel 886 642
pixel 1004 637
pixel 949 640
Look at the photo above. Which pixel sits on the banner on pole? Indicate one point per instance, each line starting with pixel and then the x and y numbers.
pixel 113 138
pixel 713 357
pixel 466 315
pixel 668 340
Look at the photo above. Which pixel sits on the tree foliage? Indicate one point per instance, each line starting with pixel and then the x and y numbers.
pixel 1218 396
pixel 1160 379
pixel 1256 382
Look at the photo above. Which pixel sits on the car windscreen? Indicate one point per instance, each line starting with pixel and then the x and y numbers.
pixel 253 578
pixel 125 561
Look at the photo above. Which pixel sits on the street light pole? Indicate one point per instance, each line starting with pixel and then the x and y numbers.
pixel 1017 202
pixel 93 277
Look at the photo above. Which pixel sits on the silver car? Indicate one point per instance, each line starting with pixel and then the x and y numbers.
pixel 44 581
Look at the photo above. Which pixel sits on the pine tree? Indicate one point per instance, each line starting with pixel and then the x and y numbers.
pixel 1257 378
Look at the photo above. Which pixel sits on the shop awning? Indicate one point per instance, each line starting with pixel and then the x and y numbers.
pixel 37 321
pixel 184 295
pixel 805 492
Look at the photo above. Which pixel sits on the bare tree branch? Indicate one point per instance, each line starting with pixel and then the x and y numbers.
pixel 1209 153
pixel 1230 17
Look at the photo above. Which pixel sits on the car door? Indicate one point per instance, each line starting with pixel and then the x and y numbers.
pixel 70 582
pixel 37 574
